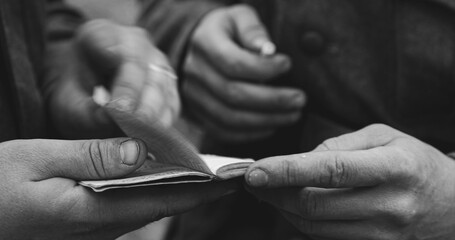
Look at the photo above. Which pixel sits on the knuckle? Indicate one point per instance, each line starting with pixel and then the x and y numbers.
pixel 307 227
pixel 336 173
pixel 233 93
pixel 308 204
pixel 409 211
pixel 291 175
pixel 97 153
pixel 384 131
pixel 403 211
pixel 378 127
pixel 405 165
pixel 331 144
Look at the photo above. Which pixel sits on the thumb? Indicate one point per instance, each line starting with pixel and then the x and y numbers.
pixel 251 32
pixel 80 160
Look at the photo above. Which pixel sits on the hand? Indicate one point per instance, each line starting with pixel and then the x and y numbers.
pixel 224 76
pixel 377 183
pixel 40 197
pixel 118 57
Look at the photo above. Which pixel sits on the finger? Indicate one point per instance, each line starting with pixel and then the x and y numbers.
pixel 244 95
pixel 129 82
pixel 85 113
pixel 232 136
pixel 80 160
pixel 107 44
pixel 210 107
pixel 342 230
pixel 131 56
pixel 160 99
pixel 225 134
pixel 325 204
pixel 143 206
pixel 330 169
pixel 249 29
pixel 217 44
pixel 376 135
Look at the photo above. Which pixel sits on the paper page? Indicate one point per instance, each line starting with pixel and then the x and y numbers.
pixel 151 173
pixel 226 167
pixel 166 144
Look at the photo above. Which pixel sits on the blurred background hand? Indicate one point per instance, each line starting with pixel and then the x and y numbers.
pixel 120 58
pixel 225 73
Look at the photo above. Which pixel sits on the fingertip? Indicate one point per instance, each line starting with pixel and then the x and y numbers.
pixel 257 177
pixel 263 46
pixel 143 151
pixel 133 152
pixel 273 66
pixel 298 99
pixel 132 155
pixel 284 61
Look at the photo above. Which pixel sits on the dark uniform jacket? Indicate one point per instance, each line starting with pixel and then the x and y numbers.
pixel 360 62
pixel 22 42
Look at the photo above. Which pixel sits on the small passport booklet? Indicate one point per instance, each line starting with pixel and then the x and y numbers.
pixel 172 160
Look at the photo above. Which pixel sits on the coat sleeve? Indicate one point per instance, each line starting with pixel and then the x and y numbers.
pixel 171 23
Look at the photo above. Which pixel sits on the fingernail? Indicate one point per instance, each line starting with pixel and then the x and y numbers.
pixel 129 152
pixel 298 99
pixel 268 49
pixel 264 46
pixel 258 178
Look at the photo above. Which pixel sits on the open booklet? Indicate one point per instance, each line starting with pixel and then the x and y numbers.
pixel 172 160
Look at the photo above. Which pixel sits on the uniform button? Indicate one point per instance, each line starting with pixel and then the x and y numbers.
pixel 313 43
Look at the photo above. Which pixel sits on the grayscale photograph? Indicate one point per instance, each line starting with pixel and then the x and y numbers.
pixel 227 119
